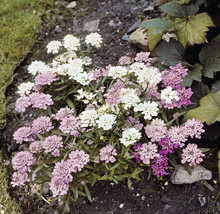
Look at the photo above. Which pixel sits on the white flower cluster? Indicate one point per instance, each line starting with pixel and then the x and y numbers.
pixel 94 39
pixel 88 96
pixel 53 47
pixel 129 97
pixel 70 42
pixel 36 67
pixel 106 121
pixel 25 88
pixel 168 94
pixel 117 72
pixel 130 136
pixel 149 109
pixel 88 118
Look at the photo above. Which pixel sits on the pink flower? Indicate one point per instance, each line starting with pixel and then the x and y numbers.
pixel 70 125
pixel 167 146
pixel 40 100
pixel 148 152
pixel 52 144
pixel 160 165
pixel 22 161
pixel 194 128
pixel 178 135
pixel 136 151
pixel 107 154
pixel 42 124
pixel 58 186
pixel 63 112
pixel 192 154
pixel 143 57
pixel 78 159
pixel 23 134
pixel 22 103
pixel 133 122
pixel 45 78
pixel 156 130
pixel 113 95
pixel 125 60
pixel 19 178
pixel 36 147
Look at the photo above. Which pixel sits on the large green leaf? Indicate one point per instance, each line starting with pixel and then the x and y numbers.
pixel 209 109
pixel 171 52
pixel 153 39
pixel 210 57
pixel 193 29
pixel 159 25
pixel 176 9
pixel 194 74
pixel 184 1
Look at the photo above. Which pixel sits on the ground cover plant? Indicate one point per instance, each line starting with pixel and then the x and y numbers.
pixel 96 124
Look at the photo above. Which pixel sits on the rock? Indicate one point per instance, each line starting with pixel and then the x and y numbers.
pixel 149 8
pixel 71 5
pixel 46 189
pixel 134 26
pixel 181 176
pixel 126 38
pixel 140 39
pixel 58 29
pixel 92 25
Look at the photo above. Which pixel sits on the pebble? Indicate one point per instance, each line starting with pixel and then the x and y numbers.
pixel 71 5
pixel 126 38
pixel 202 200
pixel 121 206
pixel 149 8
pixel 58 29
pixel 91 26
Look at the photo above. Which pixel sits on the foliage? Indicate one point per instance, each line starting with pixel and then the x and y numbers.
pixel 209 110
pixel 189 27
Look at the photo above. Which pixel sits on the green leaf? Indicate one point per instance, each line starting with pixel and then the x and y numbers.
pixel 178 10
pixel 209 109
pixel 88 194
pixel 159 25
pixel 204 150
pixel 171 52
pixel 129 183
pixel 184 1
pixel 193 29
pixel 153 39
pixel 70 103
pixel 194 74
pixel 215 86
pixel 210 57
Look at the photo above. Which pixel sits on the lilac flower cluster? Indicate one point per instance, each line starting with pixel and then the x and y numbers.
pixel 21 163
pixel 107 154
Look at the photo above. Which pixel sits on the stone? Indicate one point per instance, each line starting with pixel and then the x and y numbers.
pixel 140 39
pixel 58 29
pixel 71 5
pixel 134 26
pixel 92 25
pixel 149 8
pixel 126 38
pixel 181 176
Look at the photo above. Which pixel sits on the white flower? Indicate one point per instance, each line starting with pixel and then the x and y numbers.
pixel 129 97
pixel 87 60
pixel 25 88
pixel 130 136
pixel 53 47
pixel 66 57
pixel 83 78
pixel 149 109
pixel 94 39
pixel 88 118
pixel 71 42
pixel 36 67
pixel 168 95
pixel 149 75
pixel 137 67
pixel 106 121
pixel 117 72
pixel 75 68
pixel 88 96
pixel 62 69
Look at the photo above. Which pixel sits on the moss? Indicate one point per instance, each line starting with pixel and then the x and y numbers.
pixel 8 205
pixel 19 22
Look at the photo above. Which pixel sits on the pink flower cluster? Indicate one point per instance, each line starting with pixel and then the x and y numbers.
pixel 41 124
pixel 192 154
pixel 36 100
pixel 136 123
pixel 124 60
pixel 45 78
pixel 23 134
pixel 107 154
pixel 63 112
pixel 143 57
pixel 98 73
pixel 113 96
pixel 21 163
pixel 59 184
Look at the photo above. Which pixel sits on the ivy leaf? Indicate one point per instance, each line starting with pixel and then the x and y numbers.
pixel 193 30
pixel 153 39
pixel 215 86
pixel 171 52
pixel 176 9
pixel 194 74
pixel 159 24
pixel 210 57
pixel 209 109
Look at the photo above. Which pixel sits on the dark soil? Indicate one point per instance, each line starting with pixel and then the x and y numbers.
pixel 117 18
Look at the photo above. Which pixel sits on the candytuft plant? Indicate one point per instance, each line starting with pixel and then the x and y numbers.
pixel 101 124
